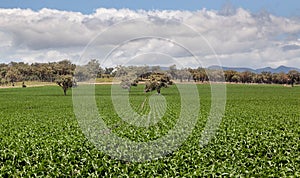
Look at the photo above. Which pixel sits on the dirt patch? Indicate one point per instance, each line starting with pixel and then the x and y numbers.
pixel 28 86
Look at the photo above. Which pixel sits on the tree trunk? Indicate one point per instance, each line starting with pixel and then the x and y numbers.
pixel 65 91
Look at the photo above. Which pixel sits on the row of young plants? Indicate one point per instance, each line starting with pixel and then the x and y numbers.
pixel 258 136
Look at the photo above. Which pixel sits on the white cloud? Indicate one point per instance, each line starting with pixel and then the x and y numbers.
pixel 239 37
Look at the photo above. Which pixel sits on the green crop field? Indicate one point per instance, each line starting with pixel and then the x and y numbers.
pixel 259 135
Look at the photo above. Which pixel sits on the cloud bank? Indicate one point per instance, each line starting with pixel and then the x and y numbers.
pixel 239 37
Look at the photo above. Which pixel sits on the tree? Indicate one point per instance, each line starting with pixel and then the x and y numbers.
pixel 66 82
pixel 236 78
pixel 229 75
pixel 89 71
pixel 154 85
pixel 93 68
pixel 140 71
pixel 258 78
pixel 283 78
pixel 172 71
pixel 215 75
pixel 293 76
pixel 145 72
pixel 184 74
pixel 157 82
pixel 108 70
pixel 267 77
pixel 246 77
pixel 202 74
pixel 12 75
pixel 81 73
pixel 65 67
pixel 126 83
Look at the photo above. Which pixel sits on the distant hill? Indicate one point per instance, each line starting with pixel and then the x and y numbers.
pixel 238 69
pixel 277 70
pixel 265 69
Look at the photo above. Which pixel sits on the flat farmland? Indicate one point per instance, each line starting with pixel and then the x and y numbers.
pixel 259 134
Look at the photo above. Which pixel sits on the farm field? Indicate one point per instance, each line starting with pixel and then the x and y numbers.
pixel 259 135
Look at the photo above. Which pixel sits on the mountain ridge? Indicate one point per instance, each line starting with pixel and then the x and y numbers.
pixel 279 69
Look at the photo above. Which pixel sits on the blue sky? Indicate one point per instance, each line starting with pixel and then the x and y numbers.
pixel 277 7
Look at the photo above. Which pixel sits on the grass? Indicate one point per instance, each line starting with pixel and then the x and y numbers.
pixel 259 135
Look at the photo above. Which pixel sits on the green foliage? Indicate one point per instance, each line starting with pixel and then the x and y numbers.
pixel 47 72
pixel 66 82
pixel 89 71
pixel 259 135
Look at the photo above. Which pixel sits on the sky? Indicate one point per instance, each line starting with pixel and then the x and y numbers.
pixel 277 7
pixel 254 34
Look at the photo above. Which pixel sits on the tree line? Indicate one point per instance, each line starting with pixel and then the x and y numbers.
pixel 54 71
pixel 45 72
pixel 231 76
